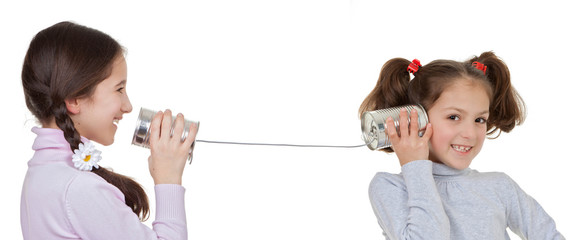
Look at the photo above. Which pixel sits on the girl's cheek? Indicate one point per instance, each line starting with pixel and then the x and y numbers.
pixel 434 143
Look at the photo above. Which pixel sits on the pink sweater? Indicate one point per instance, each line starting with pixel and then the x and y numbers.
pixel 62 202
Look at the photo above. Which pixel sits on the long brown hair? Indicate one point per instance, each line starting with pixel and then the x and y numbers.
pixel 66 61
pixel 395 88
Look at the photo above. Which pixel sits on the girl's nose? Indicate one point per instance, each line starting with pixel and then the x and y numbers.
pixel 469 132
pixel 126 107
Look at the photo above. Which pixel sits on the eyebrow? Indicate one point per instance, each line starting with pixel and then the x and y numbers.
pixel 463 111
pixel 123 82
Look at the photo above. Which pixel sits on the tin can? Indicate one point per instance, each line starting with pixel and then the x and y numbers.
pixel 373 124
pixel 141 134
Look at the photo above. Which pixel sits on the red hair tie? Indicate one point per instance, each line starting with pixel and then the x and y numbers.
pixel 480 66
pixel 414 66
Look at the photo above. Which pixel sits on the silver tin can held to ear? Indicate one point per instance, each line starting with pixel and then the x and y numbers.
pixel 141 134
pixel 373 124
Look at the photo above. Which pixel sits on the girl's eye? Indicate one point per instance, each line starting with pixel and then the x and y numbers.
pixel 454 117
pixel 120 90
pixel 481 120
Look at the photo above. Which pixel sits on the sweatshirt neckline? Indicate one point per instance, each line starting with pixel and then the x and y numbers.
pixel 442 170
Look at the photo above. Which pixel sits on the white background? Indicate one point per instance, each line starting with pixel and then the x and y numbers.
pixel 296 72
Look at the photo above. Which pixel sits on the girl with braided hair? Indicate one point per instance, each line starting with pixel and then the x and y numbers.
pixel 74 81
pixel 437 195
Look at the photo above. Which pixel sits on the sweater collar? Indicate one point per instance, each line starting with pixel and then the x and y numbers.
pixel 442 170
pixel 51 146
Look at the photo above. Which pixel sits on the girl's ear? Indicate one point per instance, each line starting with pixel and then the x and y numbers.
pixel 72 105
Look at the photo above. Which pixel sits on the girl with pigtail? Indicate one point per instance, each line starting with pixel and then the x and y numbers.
pixel 437 195
pixel 74 81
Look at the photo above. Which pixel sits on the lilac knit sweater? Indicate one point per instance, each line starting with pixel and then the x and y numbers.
pixel 61 202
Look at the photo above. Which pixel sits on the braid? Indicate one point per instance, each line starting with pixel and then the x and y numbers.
pixel 65 123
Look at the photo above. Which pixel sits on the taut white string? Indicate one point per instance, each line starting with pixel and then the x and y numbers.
pixel 285 144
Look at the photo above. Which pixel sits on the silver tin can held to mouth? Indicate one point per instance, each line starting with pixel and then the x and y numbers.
pixel 373 124
pixel 141 134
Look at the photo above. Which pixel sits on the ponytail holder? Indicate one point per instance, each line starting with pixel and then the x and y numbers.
pixel 414 66
pixel 480 66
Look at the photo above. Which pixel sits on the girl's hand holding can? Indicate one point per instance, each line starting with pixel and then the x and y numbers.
pixel 407 144
pixel 168 152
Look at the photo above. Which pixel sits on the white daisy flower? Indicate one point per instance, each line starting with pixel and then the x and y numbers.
pixel 86 157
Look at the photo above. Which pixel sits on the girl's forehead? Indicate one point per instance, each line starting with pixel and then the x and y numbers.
pixel 468 95
pixel 465 85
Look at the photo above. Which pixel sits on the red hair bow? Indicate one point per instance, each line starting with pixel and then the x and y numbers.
pixel 480 66
pixel 414 66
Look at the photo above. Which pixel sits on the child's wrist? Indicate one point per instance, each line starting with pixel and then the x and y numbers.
pixel 168 180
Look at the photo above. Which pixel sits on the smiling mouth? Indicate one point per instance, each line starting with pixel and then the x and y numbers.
pixel 116 121
pixel 460 148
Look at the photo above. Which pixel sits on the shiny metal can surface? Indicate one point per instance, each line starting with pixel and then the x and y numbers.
pixel 143 124
pixel 373 124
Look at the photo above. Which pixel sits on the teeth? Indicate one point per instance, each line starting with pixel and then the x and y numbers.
pixel 461 148
pixel 115 121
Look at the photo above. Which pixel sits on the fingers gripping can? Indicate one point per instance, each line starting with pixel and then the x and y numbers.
pixel 373 124
pixel 143 125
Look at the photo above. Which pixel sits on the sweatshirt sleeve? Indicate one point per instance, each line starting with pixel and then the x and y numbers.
pixel 526 217
pixel 409 208
pixel 97 210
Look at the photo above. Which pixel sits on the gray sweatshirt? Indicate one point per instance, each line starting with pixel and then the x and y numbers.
pixel 433 201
